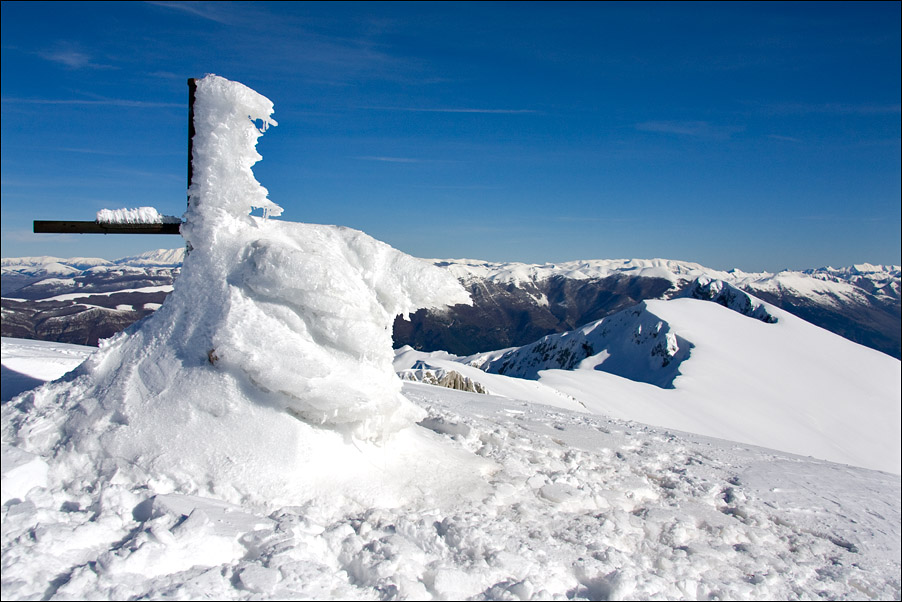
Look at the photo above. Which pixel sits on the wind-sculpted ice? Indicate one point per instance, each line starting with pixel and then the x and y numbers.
pixel 272 328
pixel 303 311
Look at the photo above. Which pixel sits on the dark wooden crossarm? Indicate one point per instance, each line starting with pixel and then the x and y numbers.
pixel 58 227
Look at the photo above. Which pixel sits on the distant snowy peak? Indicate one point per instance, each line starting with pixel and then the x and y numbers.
pixel 160 257
pixel 517 273
pixel 51 265
pixel 730 297
pixel 517 303
pixel 634 343
pixel 863 268
pixel 880 280
pixel 46 265
pixel 875 279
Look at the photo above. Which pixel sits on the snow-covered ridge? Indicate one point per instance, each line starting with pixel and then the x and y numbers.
pixel 634 344
pixel 57 265
pixel 516 273
pixel 876 279
pixel 422 372
pixel 50 264
pixel 160 257
pixel 514 304
pixel 775 381
pixel 873 277
pixel 730 297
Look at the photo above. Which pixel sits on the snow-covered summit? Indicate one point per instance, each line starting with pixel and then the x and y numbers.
pixel 273 331
pixel 575 507
pixel 160 257
pixel 249 440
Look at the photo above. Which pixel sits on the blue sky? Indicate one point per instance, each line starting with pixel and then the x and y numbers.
pixel 759 136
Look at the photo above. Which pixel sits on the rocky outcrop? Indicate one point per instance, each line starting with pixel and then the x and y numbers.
pixel 450 379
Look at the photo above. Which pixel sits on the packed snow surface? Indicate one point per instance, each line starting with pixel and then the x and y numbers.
pixel 27 364
pixel 141 215
pixel 497 498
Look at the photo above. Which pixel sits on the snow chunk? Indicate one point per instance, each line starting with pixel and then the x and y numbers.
pixel 141 215
pixel 21 472
pixel 326 298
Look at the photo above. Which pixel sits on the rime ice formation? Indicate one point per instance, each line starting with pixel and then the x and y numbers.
pixel 273 328
pixel 141 215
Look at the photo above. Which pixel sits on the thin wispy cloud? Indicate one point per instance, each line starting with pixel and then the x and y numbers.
pixel 72 58
pixel 477 187
pixel 783 138
pixel 211 11
pixel 694 129
pixel 833 108
pixel 166 75
pixel 843 218
pixel 391 159
pixel 455 110
pixel 91 151
pixel 114 102
pixel 592 219
pixel 385 159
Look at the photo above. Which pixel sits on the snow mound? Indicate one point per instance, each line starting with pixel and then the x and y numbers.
pixel 141 215
pixel 272 330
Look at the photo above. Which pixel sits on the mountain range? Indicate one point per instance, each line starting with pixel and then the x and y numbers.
pixel 81 300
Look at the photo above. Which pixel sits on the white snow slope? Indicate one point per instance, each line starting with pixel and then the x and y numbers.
pixel 516 500
pixel 699 367
pixel 250 439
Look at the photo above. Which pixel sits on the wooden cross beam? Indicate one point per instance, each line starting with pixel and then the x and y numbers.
pixel 95 227
pixel 64 227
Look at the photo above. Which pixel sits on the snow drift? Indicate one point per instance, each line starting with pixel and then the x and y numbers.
pixel 578 507
pixel 273 329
